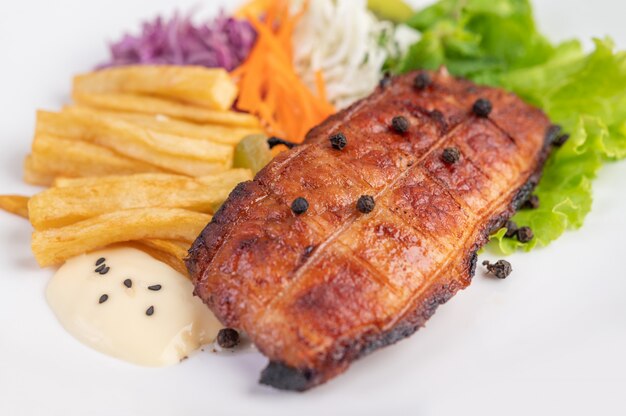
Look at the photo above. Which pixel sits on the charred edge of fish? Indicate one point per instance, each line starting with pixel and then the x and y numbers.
pixel 472 263
pixel 275 141
pixel 284 377
pixel 199 245
pixel 552 133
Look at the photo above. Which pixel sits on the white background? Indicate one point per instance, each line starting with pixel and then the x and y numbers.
pixel 551 339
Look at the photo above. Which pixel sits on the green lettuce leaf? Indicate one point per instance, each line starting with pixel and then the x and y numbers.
pixel 496 42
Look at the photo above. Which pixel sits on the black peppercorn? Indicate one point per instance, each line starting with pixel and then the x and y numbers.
pixel 531 203
pixel 511 229
pixel 525 234
pixel 227 338
pixel 482 107
pixel 500 269
pixel 400 124
pixel 299 205
pixel 338 141
pixel 450 155
pixel 365 204
pixel 560 140
pixel 421 81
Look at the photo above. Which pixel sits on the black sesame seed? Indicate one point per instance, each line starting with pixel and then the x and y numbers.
pixel 338 141
pixel 560 140
pixel 275 141
pixel 103 298
pixel 500 269
pixel 104 271
pixel 100 261
pixel 227 338
pixel 511 229
pixel 128 283
pixel 100 268
pixel 482 107
pixel 150 311
pixel 400 124
pixel 299 205
pixel 365 204
pixel 421 81
pixel 531 203
pixel 525 234
pixel 154 287
pixel 450 155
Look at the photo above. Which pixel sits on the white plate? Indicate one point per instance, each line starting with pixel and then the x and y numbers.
pixel 548 340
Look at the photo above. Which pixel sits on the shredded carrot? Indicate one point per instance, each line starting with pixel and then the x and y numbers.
pixel 269 86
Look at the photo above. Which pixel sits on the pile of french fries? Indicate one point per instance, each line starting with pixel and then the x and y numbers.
pixel 143 157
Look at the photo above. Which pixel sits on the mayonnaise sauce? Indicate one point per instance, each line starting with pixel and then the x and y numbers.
pixel 134 308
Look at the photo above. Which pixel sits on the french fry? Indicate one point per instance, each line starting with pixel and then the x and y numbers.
pixel 154 105
pixel 56 245
pixel 15 204
pixel 209 88
pixel 230 135
pixel 58 207
pixel 34 175
pixel 172 253
pixel 226 179
pixel 53 156
pixel 174 153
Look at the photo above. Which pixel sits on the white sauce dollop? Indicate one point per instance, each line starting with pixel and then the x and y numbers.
pixel 142 324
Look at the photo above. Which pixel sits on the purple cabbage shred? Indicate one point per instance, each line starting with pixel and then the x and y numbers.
pixel 222 43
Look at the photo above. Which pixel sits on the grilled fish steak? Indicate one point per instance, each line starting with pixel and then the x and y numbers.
pixel 318 290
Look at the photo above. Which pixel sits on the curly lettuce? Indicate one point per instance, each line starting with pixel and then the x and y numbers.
pixel 496 42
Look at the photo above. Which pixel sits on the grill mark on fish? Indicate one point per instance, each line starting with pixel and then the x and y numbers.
pixel 332 237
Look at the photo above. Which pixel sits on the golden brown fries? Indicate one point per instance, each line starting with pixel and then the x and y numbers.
pixel 209 88
pixel 230 135
pixel 174 153
pixel 34 176
pixel 142 159
pixel 15 204
pixel 54 246
pixel 229 178
pixel 154 105
pixel 53 156
pixel 61 206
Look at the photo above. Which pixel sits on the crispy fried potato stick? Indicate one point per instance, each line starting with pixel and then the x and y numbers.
pixel 230 135
pixel 54 246
pixel 153 105
pixel 175 153
pixel 227 178
pixel 15 204
pixel 62 206
pixel 54 156
pixel 204 87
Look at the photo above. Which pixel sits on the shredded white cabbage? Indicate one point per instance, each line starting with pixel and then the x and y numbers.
pixel 344 40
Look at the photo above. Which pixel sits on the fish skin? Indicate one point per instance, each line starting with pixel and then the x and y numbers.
pixel 316 291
